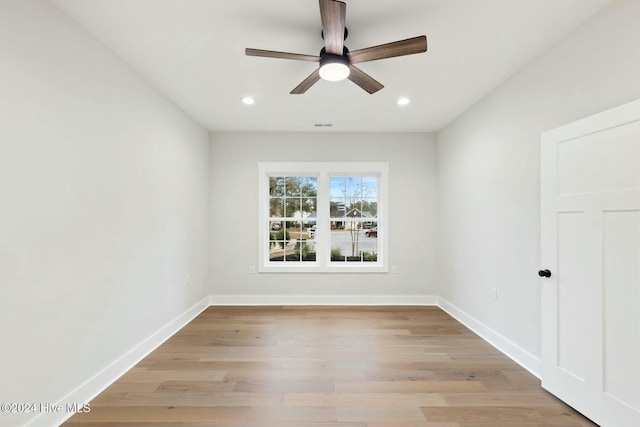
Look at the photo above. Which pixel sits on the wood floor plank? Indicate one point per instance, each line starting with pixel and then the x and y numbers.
pixel 382 414
pixel 499 399
pixel 160 414
pixel 195 386
pixel 402 400
pixel 501 416
pixel 209 399
pixel 284 386
pixel 295 374
pixel 408 386
pixel 137 376
pixel 326 367
pixel 271 415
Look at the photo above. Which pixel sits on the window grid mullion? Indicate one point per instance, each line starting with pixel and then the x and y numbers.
pixel 323 227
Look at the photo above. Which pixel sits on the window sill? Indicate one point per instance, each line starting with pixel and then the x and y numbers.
pixel 372 267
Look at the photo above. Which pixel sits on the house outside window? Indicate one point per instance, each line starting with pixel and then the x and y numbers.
pixel 323 217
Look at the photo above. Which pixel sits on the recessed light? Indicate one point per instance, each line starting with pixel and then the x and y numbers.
pixel 403 101
pixel 247 100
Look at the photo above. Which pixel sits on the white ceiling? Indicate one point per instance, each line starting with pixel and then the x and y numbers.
pixel 193 52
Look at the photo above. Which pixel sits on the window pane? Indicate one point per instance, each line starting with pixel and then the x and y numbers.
pixel 278 238
pixel 309 186
pixel 353 187
pixel 293 207
pixel 276 207
pixel 369 207
pixel 295 230
pixel 354 210
pixel 346 241
pixel 369 244
pixel 291 226
pixel 278 233
pixel 293 251
pixel 370 230
pixel 339 244
pixel 310 207
pixel 306 250
pixel 337 187
pixel 370 187
pixel 276 186
pixel 276 226
pixel 337 207
pixel 276 251
pixel 292 185
pixel 310 228
pixel 368 224
pixel 369 250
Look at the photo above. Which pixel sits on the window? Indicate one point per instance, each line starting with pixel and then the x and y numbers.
pixel 323 217
pixel 292 216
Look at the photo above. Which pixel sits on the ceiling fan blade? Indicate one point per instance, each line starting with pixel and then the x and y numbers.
pixel 389 50
pixel 364 80
pixel 281 55
pixel 333 15
pixel 307 83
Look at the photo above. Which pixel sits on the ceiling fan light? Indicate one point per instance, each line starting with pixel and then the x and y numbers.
pixel 334 68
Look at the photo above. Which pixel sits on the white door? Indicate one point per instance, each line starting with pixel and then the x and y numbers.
pixel 590 209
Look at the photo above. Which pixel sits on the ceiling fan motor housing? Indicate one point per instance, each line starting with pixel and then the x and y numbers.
pixel 334 67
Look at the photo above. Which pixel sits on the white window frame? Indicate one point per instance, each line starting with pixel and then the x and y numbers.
pixel 323 170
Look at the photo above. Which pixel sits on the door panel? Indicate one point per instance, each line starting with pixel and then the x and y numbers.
pixel 591 163
pixel 621 280
pixel 572 335
pixel 590 213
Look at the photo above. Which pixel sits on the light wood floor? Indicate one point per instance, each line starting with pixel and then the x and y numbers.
pixel 327 367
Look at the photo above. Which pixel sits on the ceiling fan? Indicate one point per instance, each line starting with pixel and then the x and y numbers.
pixel 336 61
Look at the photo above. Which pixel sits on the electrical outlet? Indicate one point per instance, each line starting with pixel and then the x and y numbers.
pixel 252 269
pixel 494 293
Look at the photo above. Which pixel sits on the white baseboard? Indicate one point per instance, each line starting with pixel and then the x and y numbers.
pixel 220 300
pixel 103 379
pixel 504 345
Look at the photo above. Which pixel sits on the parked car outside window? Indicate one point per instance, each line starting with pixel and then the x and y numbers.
pixel 372 233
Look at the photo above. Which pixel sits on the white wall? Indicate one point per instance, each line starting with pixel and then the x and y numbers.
pixel 104 207
pixel 105 189
pixel 412 212
pixel 489 169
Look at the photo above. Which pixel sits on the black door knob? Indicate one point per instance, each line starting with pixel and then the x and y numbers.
pixel 544 273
